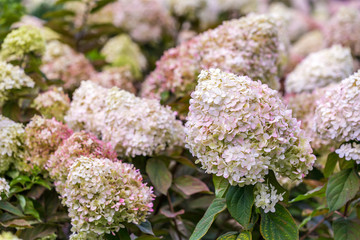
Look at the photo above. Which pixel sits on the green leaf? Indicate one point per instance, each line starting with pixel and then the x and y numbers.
pixel 20 179
pixel 316 192
pixel 159 175
pixel 341 187
pixel 30 209
pixel 184 161
pixel 244 236
pixel 43 183
pixel 122 234
pixel 228 236
pixel 345 164
pixel 216 207
pixel 271 178
pixel 145 227
pixel 239 201
pixel 221 185
pixel 6 206
pixel 190 185
pixel 22 201
pixel 37 232
pixel 278 225
pixel 346 229
pixel 330 164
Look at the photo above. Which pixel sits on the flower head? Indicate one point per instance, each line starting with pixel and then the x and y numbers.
pixel 4 188
pixel 266 197
pixel 240 129
pixel 101 195
pixel 349 151
pixel 8 236
pixel 22 41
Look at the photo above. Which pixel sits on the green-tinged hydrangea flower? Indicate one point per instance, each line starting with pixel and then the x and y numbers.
pixel 12 78
pixel 86 236
pixel 101 195
pixel 122 51
pixel 42 138
pixel 79 144
pixel 246 46
pixel 4 188
pixel 266 197
pixel 136 126
pixel 337 116
pixel 11 143
pixel 22 41
pixel 240 129
pixel 8 236
pixel 320 69
pixel 52 103
pixel 87 108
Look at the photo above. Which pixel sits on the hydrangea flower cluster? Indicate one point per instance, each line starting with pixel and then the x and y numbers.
pixel 8 236
pixel 337 115
pixel 12 77
pixel 87 108
pixel 52 103
pixel 320 69
pixel 136 126
pixel 266 197
pixel 79 144
pixel 42 138
pixel 343 28
pixel 11 141
pixel 240 129
pixel 101 195
pixel 22 41
pixel 349 151
pixel 62 62
pixel 120 77
pixel 249 45
pixel 4 188
pixel 145 20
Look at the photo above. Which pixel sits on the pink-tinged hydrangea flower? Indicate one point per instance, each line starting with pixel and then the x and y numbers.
pixel 79 144
pixel 11 141
pixel 102 195
pixel 337 116
pixel 62 62
pixel 22 41
pixel 120 77
pixel 136 126
pixel 87 108
pixel 320 69
pixel 145 20
pixel 12 78
pixel 349 151
pixel 249 45
pixel 42 138
pixel 4 188
pixel 240 129
pixel 343 28
pixel 52 103
pixel 266 197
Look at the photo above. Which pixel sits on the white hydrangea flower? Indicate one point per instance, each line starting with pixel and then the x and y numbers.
pixel 266 197
pixel 101 195
pixel 12 77
pixel 337 115
pixel 86 109
pixel 11 142
pixel 349 151
pixel 320 69
pixel 240 129
pixel 4 188
pixel 8 236
pixel 136 126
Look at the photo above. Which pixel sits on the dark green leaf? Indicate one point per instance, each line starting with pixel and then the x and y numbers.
pixel 346 229
pixel 216 207
pixel 228 236
pixel 145 227
pixel 122 234
pixel 278 225
pixel 159 175
pixel 39 231
pixel 30 210
pixel 190 185
pixel 345 164
pixel 244 236
pixel 6 206
pixel 316 192
pixel 221 185
pixel 341 187
pixel 239 201
pixel 330 164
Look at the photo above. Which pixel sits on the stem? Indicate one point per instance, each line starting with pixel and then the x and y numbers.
pixel 172 210
pixel 315 227
pixel 346 208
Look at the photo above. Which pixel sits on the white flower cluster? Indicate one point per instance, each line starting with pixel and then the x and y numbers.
pixel 101 195
pixel 349 151
pixel 266 197
pixel 11 141
pixel 240 129
pixel 12 77
pixel 320 69
pixel 4 188
pixel 8 236
pixel 337 115
pixel 87 108
pixel 136 126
